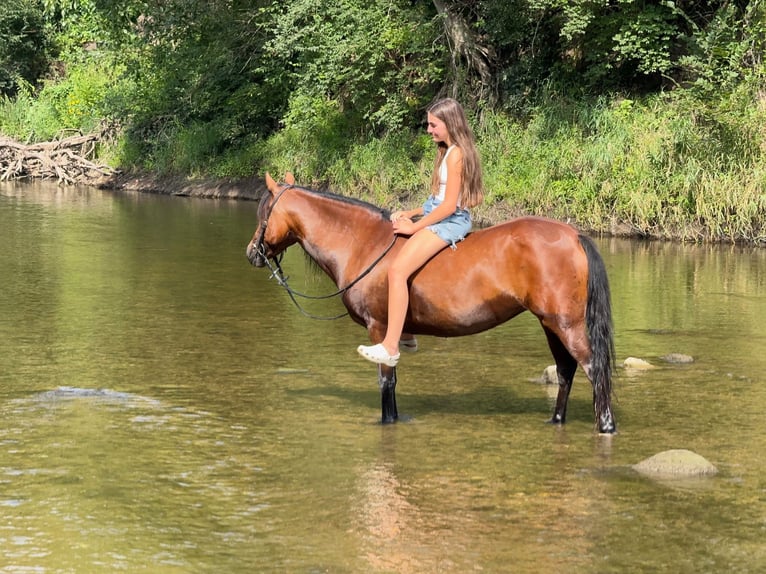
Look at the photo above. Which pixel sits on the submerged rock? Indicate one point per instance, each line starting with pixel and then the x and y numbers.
pixel 676 463
pixel 66 394
pixel 678 358
pixel 550 375
pixel 77 392
pixel 638 364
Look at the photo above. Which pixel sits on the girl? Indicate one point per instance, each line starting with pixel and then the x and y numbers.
pixel 456 185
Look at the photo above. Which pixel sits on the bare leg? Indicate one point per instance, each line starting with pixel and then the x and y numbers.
pixel 416 251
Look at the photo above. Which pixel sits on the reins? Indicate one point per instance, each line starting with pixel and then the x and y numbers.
pixel 278 274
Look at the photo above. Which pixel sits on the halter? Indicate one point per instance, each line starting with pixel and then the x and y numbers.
pixel 279 275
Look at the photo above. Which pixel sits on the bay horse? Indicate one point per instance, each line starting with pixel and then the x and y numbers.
pixel 526 264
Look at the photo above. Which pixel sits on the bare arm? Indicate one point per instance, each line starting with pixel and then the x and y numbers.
pixel 406 226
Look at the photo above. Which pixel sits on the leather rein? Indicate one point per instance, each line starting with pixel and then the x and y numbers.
pixel 274 265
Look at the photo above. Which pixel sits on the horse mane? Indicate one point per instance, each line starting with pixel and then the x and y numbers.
pixel 383 213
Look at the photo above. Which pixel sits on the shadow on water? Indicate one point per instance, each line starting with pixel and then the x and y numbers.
pixel 481 401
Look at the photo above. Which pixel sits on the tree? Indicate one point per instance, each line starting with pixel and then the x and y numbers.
pixel 376 58
pixel 470 61
pixel 25 48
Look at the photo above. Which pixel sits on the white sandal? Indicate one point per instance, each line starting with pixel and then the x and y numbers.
pixel 378 354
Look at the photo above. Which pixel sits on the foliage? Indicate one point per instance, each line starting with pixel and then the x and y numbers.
pixel 247 69
pixel 75 103
pixel 622 112
pixel 729 50
pixel 24 46
pixel 624 45
pixel 664 166
pixel 26 118
pixel 376 59
pixel 78 28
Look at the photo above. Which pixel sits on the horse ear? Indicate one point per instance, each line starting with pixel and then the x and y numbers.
pixel 270 183
pixel 289 178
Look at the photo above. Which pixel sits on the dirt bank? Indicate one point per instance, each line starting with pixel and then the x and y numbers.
pixel 246 189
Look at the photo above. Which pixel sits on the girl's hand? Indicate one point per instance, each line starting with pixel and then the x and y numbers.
pixel 398 215
pixel 404 226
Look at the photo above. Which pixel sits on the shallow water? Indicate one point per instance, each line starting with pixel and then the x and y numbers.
pixel 164 407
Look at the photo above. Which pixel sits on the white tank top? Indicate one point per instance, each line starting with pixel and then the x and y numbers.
pixel 443 175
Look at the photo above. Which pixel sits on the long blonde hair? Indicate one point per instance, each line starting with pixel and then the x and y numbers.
pixel 451 113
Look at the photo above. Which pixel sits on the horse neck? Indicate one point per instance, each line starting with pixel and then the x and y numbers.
pixel 342 238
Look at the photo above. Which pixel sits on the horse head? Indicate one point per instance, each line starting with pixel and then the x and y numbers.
pixel 273 234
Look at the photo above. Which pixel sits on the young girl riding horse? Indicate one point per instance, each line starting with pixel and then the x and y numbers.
pixel 456 186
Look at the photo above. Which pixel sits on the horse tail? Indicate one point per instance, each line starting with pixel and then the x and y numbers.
pixel 598 320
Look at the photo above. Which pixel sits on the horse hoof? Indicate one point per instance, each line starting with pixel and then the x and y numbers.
pixel 608 429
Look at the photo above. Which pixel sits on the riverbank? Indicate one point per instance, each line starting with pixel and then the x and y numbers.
pixel 250 189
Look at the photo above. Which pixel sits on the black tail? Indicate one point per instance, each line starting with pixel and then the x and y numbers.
pixel 598 318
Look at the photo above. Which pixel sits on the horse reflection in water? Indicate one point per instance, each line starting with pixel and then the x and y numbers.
pixel 527 264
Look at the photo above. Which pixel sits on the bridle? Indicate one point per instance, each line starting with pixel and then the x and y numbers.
pixel 275 267
pixel 260 247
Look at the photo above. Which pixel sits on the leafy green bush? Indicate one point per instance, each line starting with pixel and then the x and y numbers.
pixel 27 118
pixel 72 103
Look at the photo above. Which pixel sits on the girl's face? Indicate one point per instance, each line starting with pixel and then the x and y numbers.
pixel 438 130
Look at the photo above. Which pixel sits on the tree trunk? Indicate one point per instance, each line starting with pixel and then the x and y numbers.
pixel 469 63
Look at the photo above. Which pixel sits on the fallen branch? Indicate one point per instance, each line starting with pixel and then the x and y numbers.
pixel 70 160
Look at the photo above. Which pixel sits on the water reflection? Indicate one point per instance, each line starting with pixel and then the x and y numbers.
pixel 389 522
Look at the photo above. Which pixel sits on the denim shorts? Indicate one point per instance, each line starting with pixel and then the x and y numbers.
pixel 452 228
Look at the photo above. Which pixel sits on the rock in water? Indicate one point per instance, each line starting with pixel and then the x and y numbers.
pixel 676 463
pixel 637 364
pixel 678 358
pixel 550 375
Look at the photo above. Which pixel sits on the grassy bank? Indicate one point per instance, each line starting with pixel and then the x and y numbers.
pixel 669 166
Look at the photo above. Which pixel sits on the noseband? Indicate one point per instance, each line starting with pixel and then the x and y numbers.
pixel 277 273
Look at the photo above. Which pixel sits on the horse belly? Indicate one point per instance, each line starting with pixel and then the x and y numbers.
pixel 449 314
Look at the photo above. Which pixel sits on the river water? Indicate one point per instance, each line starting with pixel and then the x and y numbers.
pixel 164 408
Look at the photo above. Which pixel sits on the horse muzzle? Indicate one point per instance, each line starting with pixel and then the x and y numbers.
pixel 255 254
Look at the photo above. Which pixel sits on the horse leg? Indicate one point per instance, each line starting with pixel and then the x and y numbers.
pixel 602 405
pixel 575 343
pixel 387 384
pixel 408 342
pixel 386 378
pixel 566 365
